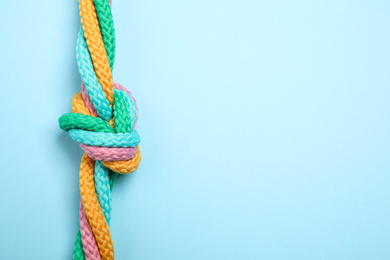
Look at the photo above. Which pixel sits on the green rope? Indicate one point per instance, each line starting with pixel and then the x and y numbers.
pixel 103 10
pixel 121 115
pixel 85 122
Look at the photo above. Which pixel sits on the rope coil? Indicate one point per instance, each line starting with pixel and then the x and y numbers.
pixel 103 118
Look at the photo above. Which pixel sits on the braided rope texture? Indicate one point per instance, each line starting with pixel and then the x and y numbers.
pixel 103 118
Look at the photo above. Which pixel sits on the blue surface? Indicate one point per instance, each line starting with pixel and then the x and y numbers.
pixel 265 130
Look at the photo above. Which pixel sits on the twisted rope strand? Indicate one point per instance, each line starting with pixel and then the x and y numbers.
pixel 79 106
pixel 103 11
pixel 93 210
pixel 103 120
pixel 96 47
pixel 92 35
pixel 93 89
pixel 87 239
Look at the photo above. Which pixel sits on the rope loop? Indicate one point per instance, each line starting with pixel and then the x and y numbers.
pixel 116 147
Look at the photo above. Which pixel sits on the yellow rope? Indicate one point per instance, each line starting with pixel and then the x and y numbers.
pixel 125 167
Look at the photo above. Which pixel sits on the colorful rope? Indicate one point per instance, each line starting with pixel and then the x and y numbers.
pixel 103 121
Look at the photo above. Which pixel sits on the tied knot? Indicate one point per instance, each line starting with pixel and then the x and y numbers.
pixel 114 142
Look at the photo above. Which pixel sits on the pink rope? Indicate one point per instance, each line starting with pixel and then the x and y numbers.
pixel 87 101
pixel 109 153
pixel 90 247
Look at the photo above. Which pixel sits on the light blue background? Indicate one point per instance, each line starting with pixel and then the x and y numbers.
pixel 265 129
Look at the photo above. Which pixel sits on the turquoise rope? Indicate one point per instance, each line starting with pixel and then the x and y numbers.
pixel 87 73
pixel 102 187
pixel 105 139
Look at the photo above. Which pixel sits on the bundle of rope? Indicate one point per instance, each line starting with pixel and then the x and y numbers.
pixel 103 120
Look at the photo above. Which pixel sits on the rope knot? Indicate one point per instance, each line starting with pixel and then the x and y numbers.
pixel 114 142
